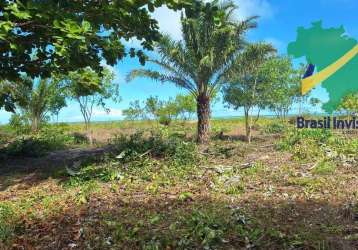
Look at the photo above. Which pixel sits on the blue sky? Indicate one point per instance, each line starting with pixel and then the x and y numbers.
pixel 278 22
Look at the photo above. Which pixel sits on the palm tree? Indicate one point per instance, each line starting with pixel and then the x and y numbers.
pixel 35 100
pixel 211 41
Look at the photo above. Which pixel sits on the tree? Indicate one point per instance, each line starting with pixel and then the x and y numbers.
pixel 164 112
pixel 134 112
pixel 152 107
pixel 211 42
pixel 43 37
pixel 38 99
pixel 90 90
pixel 186 106
pixel 285 85
pixel 248 84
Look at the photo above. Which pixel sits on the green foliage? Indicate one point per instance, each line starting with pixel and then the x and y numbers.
pixel 297 136
pixel 344 146
pixel 162 111
pixel 157 144
pixel 37 144
pixel 211 41
pixel 7 221
pixel 134 111
pixel 79 138
pixel 39 99
pixel 19 124
pixel 349 104
pixel 37 39
pixel 275 128
pixel 249 85
pixel 106 173
pixel 186 106
pixel 285 85
pixel 208 229
pixel 90 89
pixel 305 144
pixel 324 168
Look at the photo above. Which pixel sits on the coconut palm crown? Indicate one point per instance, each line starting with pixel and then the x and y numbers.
pixel 211 41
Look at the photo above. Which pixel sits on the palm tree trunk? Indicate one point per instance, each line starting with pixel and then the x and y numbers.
pixel 35 124
pixel 203 110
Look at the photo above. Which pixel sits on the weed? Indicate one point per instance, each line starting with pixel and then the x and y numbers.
pixel 324 168
pixel 106 172
pixel 275 128
pixel 8 220
pixel 49 138
pixel 157 144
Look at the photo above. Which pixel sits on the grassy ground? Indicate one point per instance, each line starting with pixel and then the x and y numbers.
pixel 286 190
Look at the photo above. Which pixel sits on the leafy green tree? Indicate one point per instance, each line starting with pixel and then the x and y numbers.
pixel 186 106
pixel 212 39
pixel 42 37
pixel 91 90
pixel 349 104
pixel 182 106
pixel 248 84
pixel 285 85
pixel 135 111
pixel 39 99
pixel 152 107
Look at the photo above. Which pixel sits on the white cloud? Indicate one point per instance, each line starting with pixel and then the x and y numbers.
pixel 169 20
pixel 249 8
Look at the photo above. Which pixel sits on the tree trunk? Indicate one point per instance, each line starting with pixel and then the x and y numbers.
pixel 35 124
pixel 203 110
pixel 89 131
pixel 247 126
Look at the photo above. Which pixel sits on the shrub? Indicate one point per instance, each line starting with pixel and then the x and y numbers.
pixel 80 138
pixel 158 144
pixel 165 120
pixel 19 124
pixel 206 229
pixel 307 149
pixel 298 136
pixel 49 138
pixel 275 128
pixel 105 173
pixel 305 143
pixel 324 168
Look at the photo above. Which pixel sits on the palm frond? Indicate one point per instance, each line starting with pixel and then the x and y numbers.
pixel 160 77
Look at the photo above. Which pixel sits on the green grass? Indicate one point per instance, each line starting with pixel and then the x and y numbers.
pixel 162 191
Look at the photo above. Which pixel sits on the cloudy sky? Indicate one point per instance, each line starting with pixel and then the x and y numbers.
pixel 278 23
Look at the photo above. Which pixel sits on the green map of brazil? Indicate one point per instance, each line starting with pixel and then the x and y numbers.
pixel 321 47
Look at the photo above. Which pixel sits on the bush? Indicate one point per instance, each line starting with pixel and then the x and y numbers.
pixel 275 128
pixel 298 136
pixel 80 138
pixel 165 120
pixel 19 124
pixel 206 229
pixel 306 144
pixel 158 144
pixel 107 172
pixel 324 168
pixel 49 138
